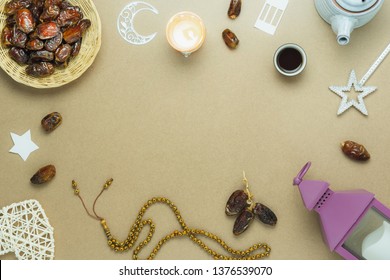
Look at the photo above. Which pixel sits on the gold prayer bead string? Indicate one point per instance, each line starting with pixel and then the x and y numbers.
pixel 192 234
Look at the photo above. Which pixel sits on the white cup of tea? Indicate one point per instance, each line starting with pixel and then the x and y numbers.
pixel 290 59
pixel 185 32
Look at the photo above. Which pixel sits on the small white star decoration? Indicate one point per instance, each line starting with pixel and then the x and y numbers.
pixel 359 87
pixel 23 145
pixel 347 103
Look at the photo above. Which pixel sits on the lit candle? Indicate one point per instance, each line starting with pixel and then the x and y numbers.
pixel 186 32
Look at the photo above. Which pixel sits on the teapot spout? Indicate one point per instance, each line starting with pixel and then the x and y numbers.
pixel 343 26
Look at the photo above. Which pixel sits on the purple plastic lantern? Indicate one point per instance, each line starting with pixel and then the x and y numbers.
pixel 354 223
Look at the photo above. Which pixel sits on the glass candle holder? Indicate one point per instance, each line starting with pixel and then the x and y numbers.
pixel 185 32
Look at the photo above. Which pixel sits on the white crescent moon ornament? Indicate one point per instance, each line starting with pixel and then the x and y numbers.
pixel 125 23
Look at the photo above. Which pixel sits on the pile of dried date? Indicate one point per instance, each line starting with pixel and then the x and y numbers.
pixel 240 203
pixel 43 34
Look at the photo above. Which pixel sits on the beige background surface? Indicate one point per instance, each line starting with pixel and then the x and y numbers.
pixel 163 125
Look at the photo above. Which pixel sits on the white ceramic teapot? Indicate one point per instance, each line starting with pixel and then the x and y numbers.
pixel 346 15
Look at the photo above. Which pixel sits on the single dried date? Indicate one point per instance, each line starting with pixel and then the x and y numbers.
pixel 43 175
pixel 48 30
pixel 19 55
pixel 355 151
pixel 25 21
pixel 236 203
pixel 40 70
pixel 69 16
pixel 74 33
pixel 63 53
pixel 243 221
pixel 230 39
pixel 52 44
pixel 264 214
pixel 13 6
pixel 84 24
pixel 6 36
pixel 34 45
pixel 76 48
pixel 19 38
pixel 234 9
pixel 40 56
pixel 50 13
pixel 51 121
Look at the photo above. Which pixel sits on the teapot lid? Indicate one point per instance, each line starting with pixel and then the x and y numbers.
pixel 356 5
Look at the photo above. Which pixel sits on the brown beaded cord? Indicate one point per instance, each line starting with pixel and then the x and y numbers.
pixel 193 234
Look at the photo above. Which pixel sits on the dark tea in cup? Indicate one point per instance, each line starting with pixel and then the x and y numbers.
pixel 290 59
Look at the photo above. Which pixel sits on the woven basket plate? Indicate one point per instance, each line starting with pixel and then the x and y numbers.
pixel 77 66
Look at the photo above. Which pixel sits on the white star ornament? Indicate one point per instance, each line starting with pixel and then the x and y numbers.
pixel 348 103
pixel 23 145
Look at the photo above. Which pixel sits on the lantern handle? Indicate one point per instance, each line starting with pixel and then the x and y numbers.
pixel 298 179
